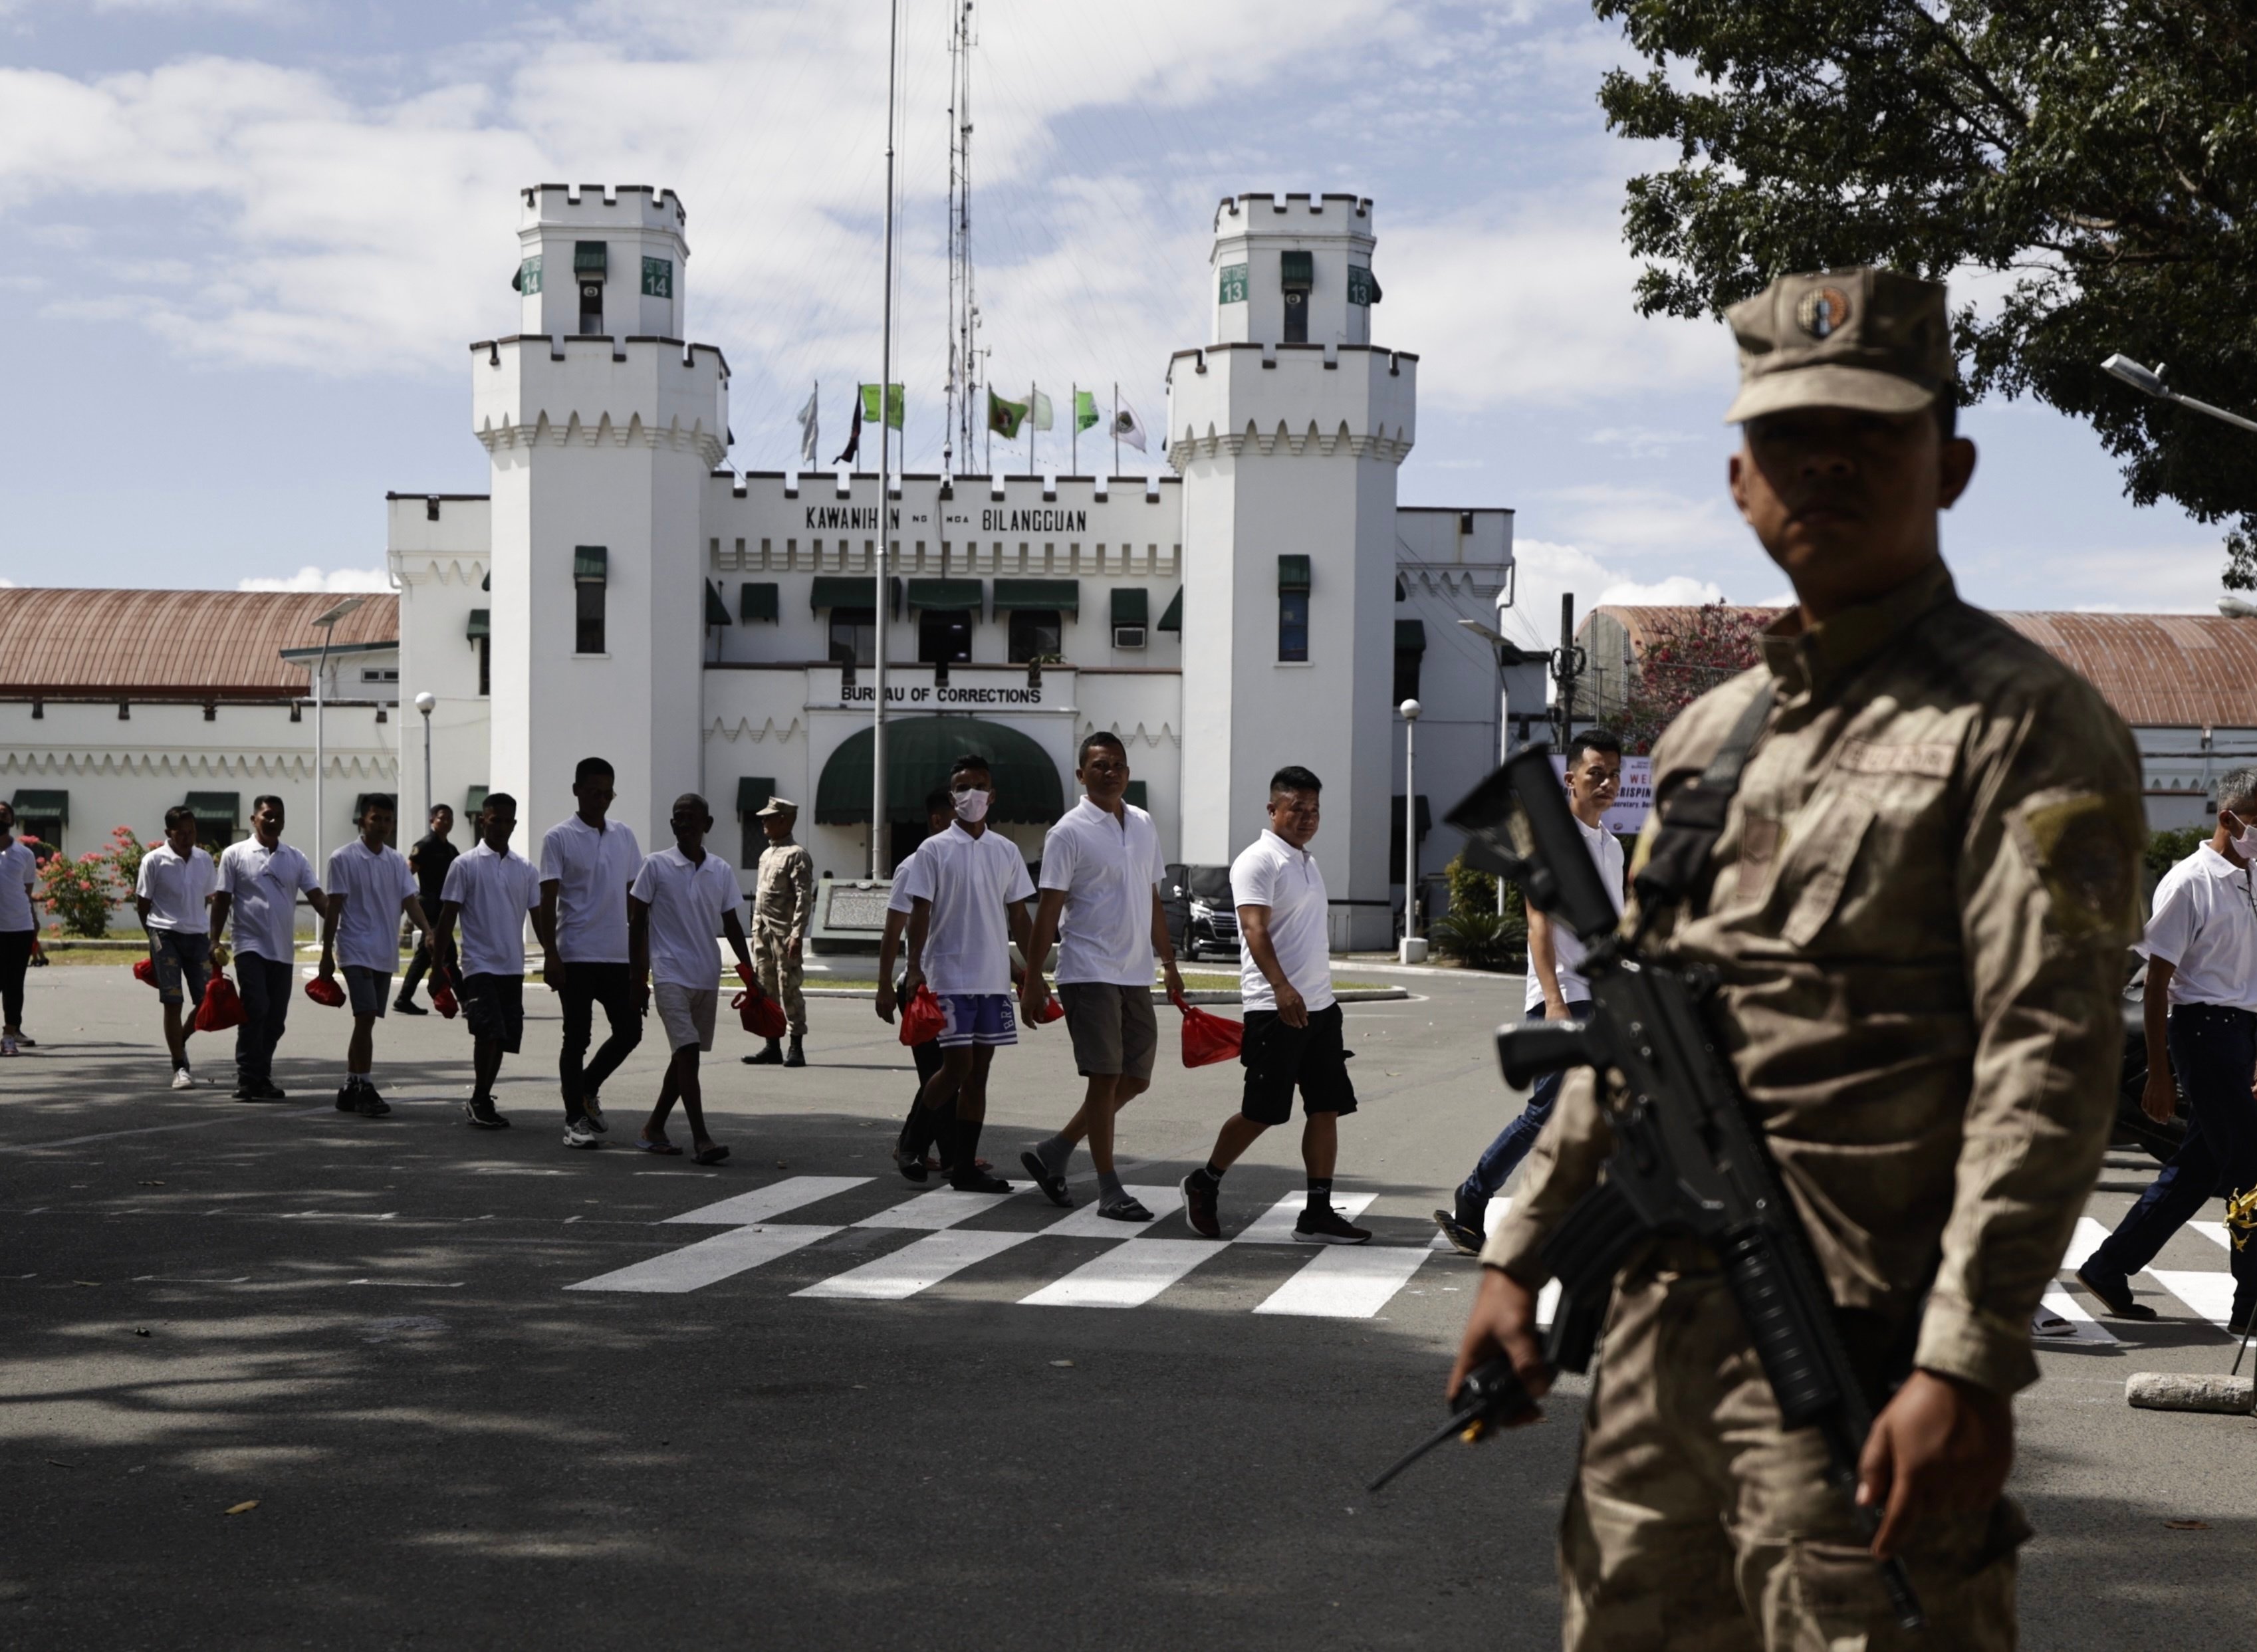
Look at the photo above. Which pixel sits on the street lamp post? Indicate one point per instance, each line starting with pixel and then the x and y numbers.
pixel 424 702
pixel 1414 949
pixel 327 625
pixel 2149 381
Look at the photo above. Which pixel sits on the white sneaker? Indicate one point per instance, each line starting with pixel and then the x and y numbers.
pixel 183 1079
pixel 576 1134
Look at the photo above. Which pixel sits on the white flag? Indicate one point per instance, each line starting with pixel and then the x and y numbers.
pixel 807 442
pixel 1038 409
pixel 1127 427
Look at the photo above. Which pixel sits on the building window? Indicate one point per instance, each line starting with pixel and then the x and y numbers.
pixel 1292 625
pixel 591 263
pixel 1130 607
pixel 1297 275
pixel 1035 634
pixel 1409 653
pixel 943 637
pixel 371 674
pixel 591 572
pixel 854 636
pixel 485 666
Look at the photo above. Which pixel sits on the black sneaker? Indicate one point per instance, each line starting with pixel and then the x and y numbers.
pixel 594 1115
pixel 269 1091
pixel 408 1006
pixel 348 1097
pixel 976 1180
pixel 1051 1183
pixel 911 1165
pixel 1199 1206
pixel 478 1114
pixel 1328 1226
pixel 368 1104
pixel 245 1093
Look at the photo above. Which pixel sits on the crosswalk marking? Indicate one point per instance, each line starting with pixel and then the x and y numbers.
pixel 2209 1294
pixel 1126 1277
pixel 930 1212
pixel 747 1210
pixel 2215 1233
pixel 1498 1206
pixel 2082 1326
pixel 1085 1223
pixel 1275 1226
pixel 2083 1242
pixel 1344 1283
pixel 709 1260
pixel 912 1268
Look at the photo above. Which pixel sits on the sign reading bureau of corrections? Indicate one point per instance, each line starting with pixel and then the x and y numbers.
pixel 1632 804
pixel 999 688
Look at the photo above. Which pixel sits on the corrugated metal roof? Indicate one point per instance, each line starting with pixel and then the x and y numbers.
pixel 216 645
pixel 2186 671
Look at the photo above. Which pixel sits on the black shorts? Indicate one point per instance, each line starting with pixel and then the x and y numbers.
pixel 494 1008
pixel 1277 1057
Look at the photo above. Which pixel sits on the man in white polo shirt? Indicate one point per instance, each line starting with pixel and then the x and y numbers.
pixel 491 890
pixel 19 928
pixel 369 886
pixel 171 893
pixel 586 863
pixel 2201 1014
pixel 968 890
pixel 924 1125
pixel 1292 1024
pixel 1100 899
pixel 681 898
pixel 260 880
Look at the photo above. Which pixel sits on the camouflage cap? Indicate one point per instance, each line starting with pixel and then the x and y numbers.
pixel 1864 337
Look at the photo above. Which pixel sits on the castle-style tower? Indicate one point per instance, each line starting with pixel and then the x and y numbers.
pixel 1288 430
pixel 602 425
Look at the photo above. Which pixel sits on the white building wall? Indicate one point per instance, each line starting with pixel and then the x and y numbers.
pixel 439 548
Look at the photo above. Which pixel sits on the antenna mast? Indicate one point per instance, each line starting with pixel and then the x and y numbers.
pixel 964 420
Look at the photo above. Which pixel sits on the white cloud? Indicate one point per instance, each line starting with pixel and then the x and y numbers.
pixel 315 579
pixel 1679 590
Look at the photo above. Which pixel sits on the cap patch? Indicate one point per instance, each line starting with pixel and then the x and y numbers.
pixel 1824 312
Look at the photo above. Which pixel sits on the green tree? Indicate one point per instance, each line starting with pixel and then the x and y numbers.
pixel 2102 153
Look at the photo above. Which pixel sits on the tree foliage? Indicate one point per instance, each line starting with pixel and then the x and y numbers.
pixel 2101 153
pixel 1685 655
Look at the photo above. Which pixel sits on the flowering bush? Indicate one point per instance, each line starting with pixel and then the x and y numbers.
pixel 1684 660
pixel 81 892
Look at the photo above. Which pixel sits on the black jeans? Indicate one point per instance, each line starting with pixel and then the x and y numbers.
pixel 2213 1051
pixel 585 987
pixel 418 965
pixel 265 986
pixel 15 958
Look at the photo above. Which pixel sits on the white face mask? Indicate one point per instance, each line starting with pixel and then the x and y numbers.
pixel 971 805
pixel 2245 841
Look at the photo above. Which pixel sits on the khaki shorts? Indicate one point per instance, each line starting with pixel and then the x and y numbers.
pixel 687 1013
pixel 1114 1031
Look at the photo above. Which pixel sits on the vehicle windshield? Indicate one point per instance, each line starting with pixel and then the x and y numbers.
pixel 1208 883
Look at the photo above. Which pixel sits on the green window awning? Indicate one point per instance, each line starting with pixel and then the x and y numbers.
pixel 485 581
pixel 716 611
pixel 1297 272
pixel 757 602
pixel 1173 619
pixel 211 807
pixel 1135 792
pixel 951 596
pixel 1411 635
pixel 753 792
pixel 591 562
pixel 481 624
pixel 918 753
pixel 1131 605
pixel 56 806
pixel 476 800
pixel 850 591
pixel 1292 573
pixel 590 257
pixel 1065 594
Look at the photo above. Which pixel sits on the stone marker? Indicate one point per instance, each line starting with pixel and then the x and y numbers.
pixel 2181 1391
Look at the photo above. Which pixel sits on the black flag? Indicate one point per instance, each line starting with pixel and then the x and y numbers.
pixel 853 436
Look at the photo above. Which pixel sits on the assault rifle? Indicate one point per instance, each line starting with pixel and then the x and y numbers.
pixel 1689 1157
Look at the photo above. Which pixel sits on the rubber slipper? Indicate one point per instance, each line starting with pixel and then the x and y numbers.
pixel 666 1147
pixel 713 1154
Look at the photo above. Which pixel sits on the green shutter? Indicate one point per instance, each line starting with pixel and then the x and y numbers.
pixel 1065 594
pixel 1134 793
pixel 1411 635
pixel 1297 272
pixel 590 257
pixel 1292 573
pixel 951 596
pixel 1232 289
pixel 591 562
pixel 476 798
pixel 1173 619
pixel 47 805
pixel 757 602
pixel 1361 287
pixel 1131 605
pixel 658 277
pixel 753 792
pixel 716 611
pixel 481 624
pixel 215 806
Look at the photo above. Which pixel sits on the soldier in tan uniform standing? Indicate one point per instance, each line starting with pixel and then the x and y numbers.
pixel 1917 912
pixel 783 898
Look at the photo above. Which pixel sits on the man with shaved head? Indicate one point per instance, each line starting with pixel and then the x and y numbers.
pixel 681 898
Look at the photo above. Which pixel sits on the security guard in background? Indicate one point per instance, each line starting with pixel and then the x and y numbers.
pixel 1917 912
pixel 783 899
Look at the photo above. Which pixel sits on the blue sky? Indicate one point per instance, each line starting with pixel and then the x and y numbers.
pixel 244 245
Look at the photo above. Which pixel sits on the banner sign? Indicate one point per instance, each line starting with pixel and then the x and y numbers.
pixel 1632 804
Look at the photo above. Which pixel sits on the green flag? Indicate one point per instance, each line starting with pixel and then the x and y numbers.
pixel 1085 409
pixel 892 405
pixel 1004 418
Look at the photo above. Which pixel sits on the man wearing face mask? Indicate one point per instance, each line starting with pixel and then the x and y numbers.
pixel 2201 1014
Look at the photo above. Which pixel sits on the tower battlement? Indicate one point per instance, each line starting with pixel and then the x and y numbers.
pixel 1313 206
pixel 602 205
pixel 597 261
pixel 1293 269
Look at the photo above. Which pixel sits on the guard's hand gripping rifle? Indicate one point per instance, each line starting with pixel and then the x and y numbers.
pixel 1689 1159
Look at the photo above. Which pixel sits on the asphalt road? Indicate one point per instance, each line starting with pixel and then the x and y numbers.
pixel 364 1328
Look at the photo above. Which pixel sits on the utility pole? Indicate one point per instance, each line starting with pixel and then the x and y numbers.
pixel 1567 665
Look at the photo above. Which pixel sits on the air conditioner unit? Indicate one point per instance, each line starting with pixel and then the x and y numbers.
pixel 1129 636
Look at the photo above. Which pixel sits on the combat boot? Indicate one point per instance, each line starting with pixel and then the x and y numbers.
pixel 772 1055
pixel 795 1056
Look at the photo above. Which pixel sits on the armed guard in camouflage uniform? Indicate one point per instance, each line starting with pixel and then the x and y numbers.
pixel 783 898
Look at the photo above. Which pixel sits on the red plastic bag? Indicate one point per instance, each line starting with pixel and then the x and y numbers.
pixel 763 1016
pixel 922 1017
pixel 146 971
pixel 220 1008
pixel 1208 1039
pixel 324 989
pixel 443 1000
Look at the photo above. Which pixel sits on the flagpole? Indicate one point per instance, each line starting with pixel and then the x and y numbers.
pixel 1030 427
pixel 1116 426
pixel 878 867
